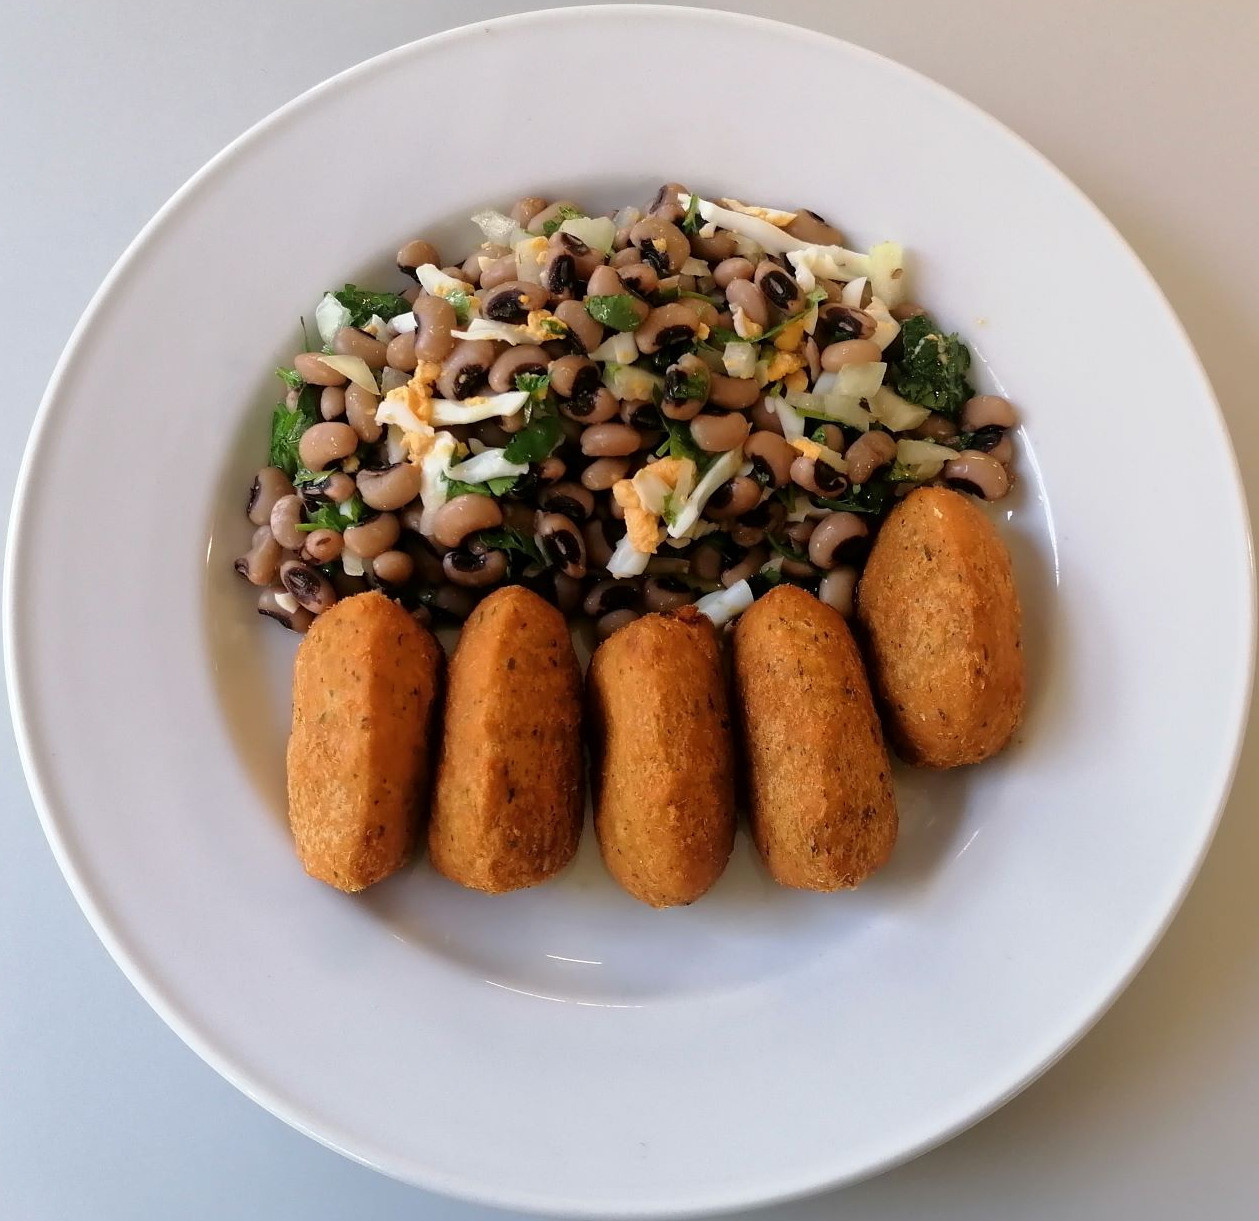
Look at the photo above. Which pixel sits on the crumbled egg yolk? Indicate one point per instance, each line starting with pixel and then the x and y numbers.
pixel 790 337
pixel 643 527
pixel 782 364
pixel 797 382
pixel 775 216
pixel 819 453
pixel 543 325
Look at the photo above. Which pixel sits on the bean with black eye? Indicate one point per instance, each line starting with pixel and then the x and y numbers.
pixel 498 271
pixel 611 595
pixel 838 538
pixel 585 258
pixel 581 326
pixel 464 371
pixel 666 593
pixel 489 252
pixel 733 393
pixel 779 286
pixel 270 484
pixel 733 498
pixel 665 325
pixel 322 546
pixel 799 532
pixel 551 470
pixel 715 249
pixel 746 536
pixel 562 542
pixel 566 593
pixel 906 310
pixel 571 499
pixel 393 567
pixel 453 600
pixel 837 589
pixel 310 366
pixel 868 453
pixel 614 621
pixel 269 604
pixel 474 570
pixel 350 341
pixel 661 244
pixel 610 440
pixel 308 585
pixel 837 323
pixel 333 486
pixel 602 473
pixel 400 353
pixel 832 436
pixel 390 488
pixel 435 319
pixel 559 274
pixel 513 302
pixel 936 428
pixel 686 386
pixel 1003 451
pixel 605 281
pixel 849 352
pixel 322 444
pixel 526 208
pixel 771 457
pixel 332 402
pixel 707 562
pixel 369 538
pixel 464 515
pixel 810 227
pixel 820 478
pixel 749 297
pixel 523 358
pixel 417 254
pixel 728 271
pixel 591 409
pixel 987 411
pixel 978 473
pixel 764 418
pixel 598 549
pixel 360 413
pixel 746 567
pixel 636 275
pixel 572 376
pixel 715 432
pixel 665 202
pixel 558 211
pixel 260 564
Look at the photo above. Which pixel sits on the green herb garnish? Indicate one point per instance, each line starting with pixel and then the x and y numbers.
pixel 335 517
pixel 692 222
pixel 291 378
pixel 506 538
pixel 535 385
pixel 615 310
pixel 460 301
pixel 932 369
pixel 303 477
pixel 362 304
pixel 722 335
pixel 491 487
pixel 680 444
pixel 566 212
pixel 287 428
pixel 537 439
pixel 869 497
pixel 786 550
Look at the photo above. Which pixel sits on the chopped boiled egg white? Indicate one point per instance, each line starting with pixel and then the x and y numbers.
pixel 481 407
pixel 853 292
pixel 598 232
pixel 377 328
pixel 775 216
pixel 620 348
pixel 664 484
pixel 642 526
pixel 530 253
pixel 403 324
pixel 541 326
pixel 769 237
pixel 410 406
pixel 330 317
pixel 626 560
pixel 434 491
pixel 687 514
pixel 355 368
pixel 722 605
pixel 819 453
pixel 694 267
pixel 791 420
pixel 739 359
pixel 829 262
pixel 488 464
pixel 744 327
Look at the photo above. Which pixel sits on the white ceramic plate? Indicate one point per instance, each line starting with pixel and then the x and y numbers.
pixel 566 1050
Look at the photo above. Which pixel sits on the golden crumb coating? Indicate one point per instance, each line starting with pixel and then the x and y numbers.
pixel 942 620
pixel 819 783
pixel 662 750
pixel 508 802
pixel 365 685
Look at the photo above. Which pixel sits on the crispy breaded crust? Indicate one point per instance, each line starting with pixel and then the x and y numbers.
pixel 818 779
pixel 508 803
pixel 365 684
pixel 662 750
pixel 942 620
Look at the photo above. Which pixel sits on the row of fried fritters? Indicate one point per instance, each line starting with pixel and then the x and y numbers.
pixel 941 622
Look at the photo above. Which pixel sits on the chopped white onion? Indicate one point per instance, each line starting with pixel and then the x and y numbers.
pixel 351 564
pixel 630 384
pixel 438 283
pixel 852 292
pixel 626 560
pixel 404 324
pixel 829 262
pixel 721 470
pixel 497 227
pixel 395 445
pixel 485 328
pixel 827 403
pixel 860 381
pixel 894 412
pixel 530 251
pixel 887 272
pixel 355 368
pixel 791 420
pixel 913 453
pixel 725 604
pixel 886 328
pixel 598 232
pixel 620 348
pixel 488 464
pixel 474 410
pixel 768 237
pixel 627 216
pixel 693 267
pixel 739 360
pixel 775 216
pixel 286 602
pixel 330 317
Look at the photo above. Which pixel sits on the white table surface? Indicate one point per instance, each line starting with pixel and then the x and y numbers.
pixel 1151 107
